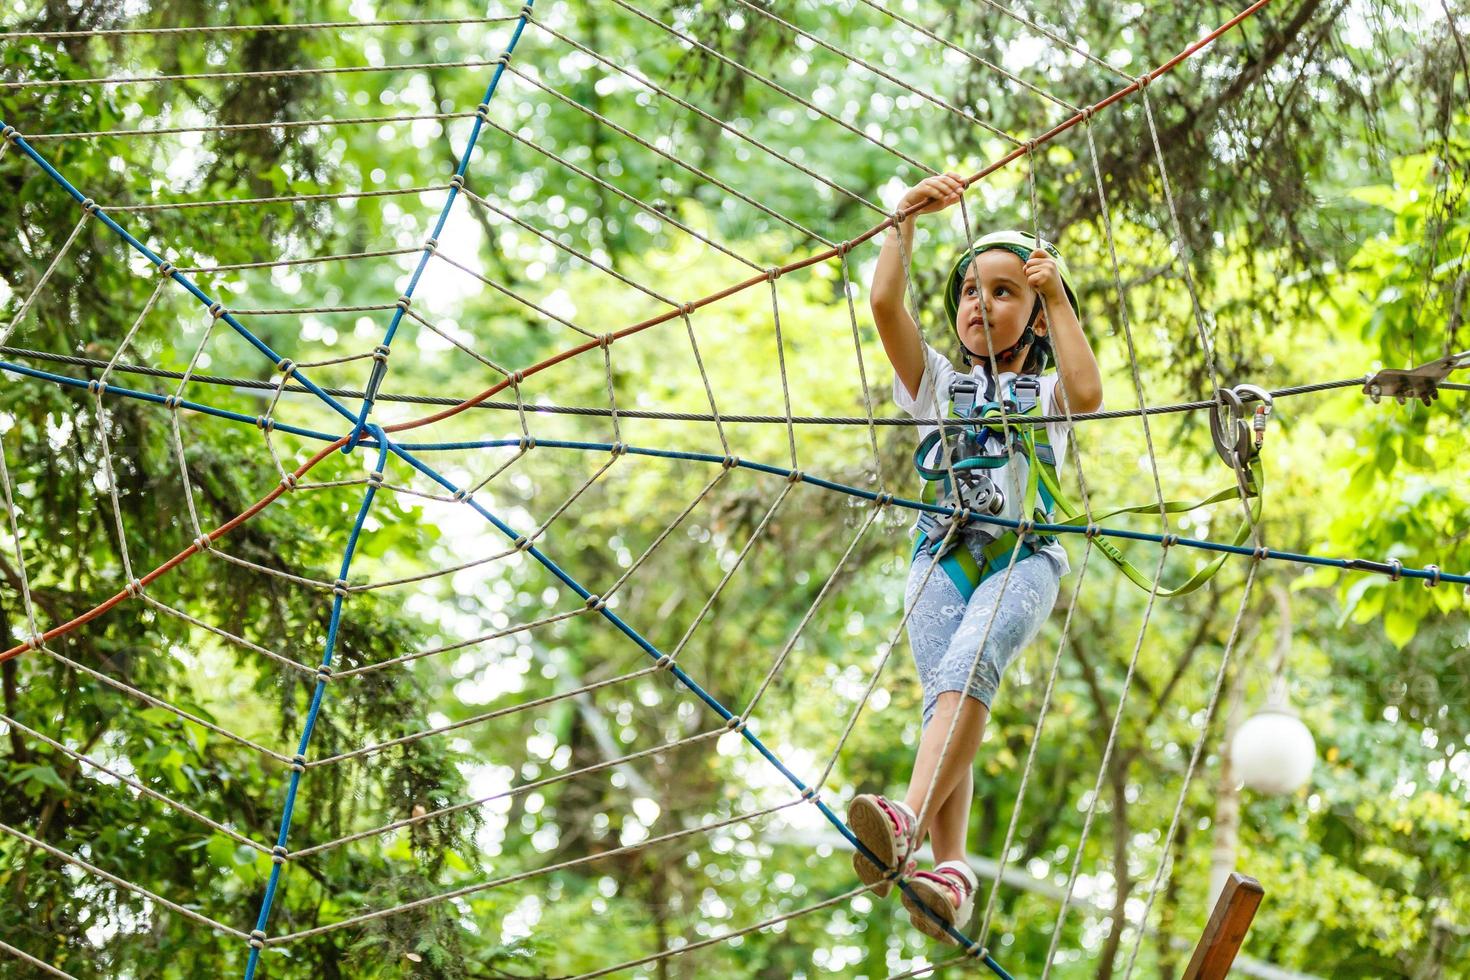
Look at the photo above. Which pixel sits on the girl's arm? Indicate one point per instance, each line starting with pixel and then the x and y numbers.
pixel 896 328
pixel 1078 377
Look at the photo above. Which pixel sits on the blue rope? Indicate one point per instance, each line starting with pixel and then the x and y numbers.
pixel 1350 564
pixel 298 766
pixel 380 364
pixel 209 302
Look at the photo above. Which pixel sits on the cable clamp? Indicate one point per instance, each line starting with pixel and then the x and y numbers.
pixel 1433 580
pixel 279 854
pixel 216 310
pixel 339 587
pixel 257 938
pixel 1396 569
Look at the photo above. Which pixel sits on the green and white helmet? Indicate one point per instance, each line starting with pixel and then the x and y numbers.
pixel 1022 245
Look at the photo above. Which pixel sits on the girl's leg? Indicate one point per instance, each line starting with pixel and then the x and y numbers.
pixel 954 775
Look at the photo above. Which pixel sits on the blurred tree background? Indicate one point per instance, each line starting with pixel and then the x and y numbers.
pixel 1316 157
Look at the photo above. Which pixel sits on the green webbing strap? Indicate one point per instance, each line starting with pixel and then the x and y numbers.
pixel 1110 550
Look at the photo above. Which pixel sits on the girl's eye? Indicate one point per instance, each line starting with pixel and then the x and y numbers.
pixel 1000 290
pixel 969 290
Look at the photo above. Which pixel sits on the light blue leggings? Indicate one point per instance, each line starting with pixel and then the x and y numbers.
pixel 945 631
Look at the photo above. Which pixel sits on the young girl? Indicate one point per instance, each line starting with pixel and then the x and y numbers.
pixel 1020 291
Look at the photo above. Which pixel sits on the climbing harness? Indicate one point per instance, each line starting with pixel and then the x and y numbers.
pixel 988 440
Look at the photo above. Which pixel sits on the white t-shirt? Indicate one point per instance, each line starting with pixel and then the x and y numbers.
pixel 938 375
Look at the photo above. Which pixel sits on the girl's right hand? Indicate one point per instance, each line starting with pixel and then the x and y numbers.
pixel 937 193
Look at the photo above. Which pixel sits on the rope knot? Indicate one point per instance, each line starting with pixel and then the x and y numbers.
pixel 166 270
pixel 730 462
pixel 1433 579
pixel 518 377
pixel 526 444
pixel 381 352
pixel 9 133
pixel 461 495
pixel 1397 569
pixel 976 951
pixel 844 247
pixel 89 206
pixel 279 854
pixel 403 303
pixel 1143 80
pixel 298 763
pixel 773 273
pixel 618 448
pixel 736 724
pixel 35 642
pixel 265 423
pixel 795 476
pixel 172 402
pixel 97 387
pixel 324 673
pixel 135 588
pixel 216 310
pixel 522 543
pixel 526 11
pixel 605 340
pixel 663 662
pixel 289 481
pixel 504 57
pixel 883 499
pixel 203 543
pixel 457 181
pixel 1024 528
pixel 1031 146
pixel 1092 531
pixel 432 244
pixel 809 794
pixel 285 365
pixel 375 478
pixel 1260 553
pixel 257 938
pixel 1088 112
pixel 1169 540
pixel 339 587
pixel 483 111
pixel 686 308
pixel 596 603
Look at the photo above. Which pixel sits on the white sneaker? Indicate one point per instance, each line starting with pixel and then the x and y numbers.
pixel 886 828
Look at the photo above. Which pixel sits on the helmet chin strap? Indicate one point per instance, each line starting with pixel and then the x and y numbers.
pixel 1027 338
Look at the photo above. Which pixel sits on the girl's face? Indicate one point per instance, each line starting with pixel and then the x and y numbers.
pixel 997 279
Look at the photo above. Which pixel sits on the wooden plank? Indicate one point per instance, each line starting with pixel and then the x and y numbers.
pixel 1225 932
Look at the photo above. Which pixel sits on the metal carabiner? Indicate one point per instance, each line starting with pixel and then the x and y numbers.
pixel 1265 405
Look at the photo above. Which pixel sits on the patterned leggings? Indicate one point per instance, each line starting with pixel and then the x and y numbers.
pixel 945 631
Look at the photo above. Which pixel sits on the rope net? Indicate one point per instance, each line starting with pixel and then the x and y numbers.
pixel 347 548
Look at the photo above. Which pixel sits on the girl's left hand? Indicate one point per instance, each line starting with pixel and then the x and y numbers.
pixel 1041 273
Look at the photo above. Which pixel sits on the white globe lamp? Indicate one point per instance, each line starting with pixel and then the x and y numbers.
pixel 1273 752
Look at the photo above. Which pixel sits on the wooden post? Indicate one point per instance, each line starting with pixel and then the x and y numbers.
pixel 1225 932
